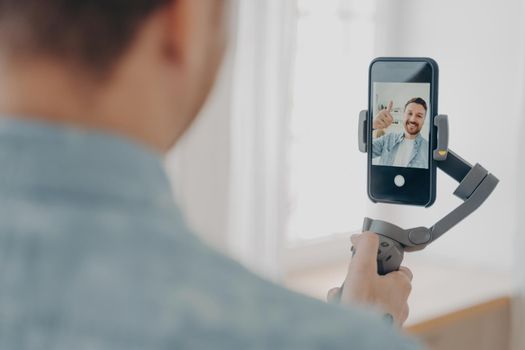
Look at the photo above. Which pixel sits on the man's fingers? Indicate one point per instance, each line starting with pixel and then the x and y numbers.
pixel 390 106
pixel 389 118
pixel 334 295
pixel 406 271
pixel 366 246
pixel 382 121
pixel 386 119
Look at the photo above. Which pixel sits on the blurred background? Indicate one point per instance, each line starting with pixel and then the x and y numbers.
pixel 271 174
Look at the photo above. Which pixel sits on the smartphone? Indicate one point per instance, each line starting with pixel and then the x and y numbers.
pixel 402 105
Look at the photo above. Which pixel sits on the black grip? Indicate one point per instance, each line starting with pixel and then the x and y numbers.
pixel 389 255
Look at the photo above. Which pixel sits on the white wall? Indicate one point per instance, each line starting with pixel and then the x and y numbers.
pixel 519 302
pixel 478 45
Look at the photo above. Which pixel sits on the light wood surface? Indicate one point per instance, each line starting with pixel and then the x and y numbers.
pixel 482 327
pixel 438 288
pixel 453 307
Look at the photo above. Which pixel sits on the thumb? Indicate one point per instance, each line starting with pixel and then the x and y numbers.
pixel 365 258
pixel 390 106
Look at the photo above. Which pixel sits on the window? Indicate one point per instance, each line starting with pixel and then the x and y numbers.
pixel 327 179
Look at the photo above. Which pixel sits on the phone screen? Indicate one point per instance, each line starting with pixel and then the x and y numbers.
pixel 402 105
pixel 401 129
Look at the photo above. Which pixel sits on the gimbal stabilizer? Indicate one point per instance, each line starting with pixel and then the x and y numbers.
pixel 476 185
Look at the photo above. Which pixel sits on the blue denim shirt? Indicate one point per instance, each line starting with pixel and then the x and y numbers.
pixel 387 146
pixel 94 254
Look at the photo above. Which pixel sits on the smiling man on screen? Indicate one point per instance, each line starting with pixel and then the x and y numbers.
pixel 402 149
pixel 94 252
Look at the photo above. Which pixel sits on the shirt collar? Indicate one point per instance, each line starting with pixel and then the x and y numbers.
pixel 47 157
pixel 417 140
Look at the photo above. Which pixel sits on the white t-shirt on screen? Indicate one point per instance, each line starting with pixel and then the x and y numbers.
pixel 404 153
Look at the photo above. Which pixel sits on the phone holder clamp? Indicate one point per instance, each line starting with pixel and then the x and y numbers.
pixel 475 185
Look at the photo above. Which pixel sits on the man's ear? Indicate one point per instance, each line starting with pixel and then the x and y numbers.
pixel 179 14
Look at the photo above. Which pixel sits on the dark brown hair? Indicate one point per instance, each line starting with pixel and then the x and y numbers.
pixel 419 101
pixel 92 33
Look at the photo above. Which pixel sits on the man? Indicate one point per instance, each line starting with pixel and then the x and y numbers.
pixel 94 253
pixel 404 149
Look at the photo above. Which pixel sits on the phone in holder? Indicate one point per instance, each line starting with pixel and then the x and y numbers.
pixel 402 105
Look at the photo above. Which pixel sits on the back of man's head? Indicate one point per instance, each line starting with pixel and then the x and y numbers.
pixel 142 68
pixel 91 33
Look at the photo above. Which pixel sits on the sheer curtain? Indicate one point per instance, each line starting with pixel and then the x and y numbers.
pixel 260 108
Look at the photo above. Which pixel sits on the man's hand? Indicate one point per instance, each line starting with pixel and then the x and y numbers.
pixel 384 119
pixel 364 286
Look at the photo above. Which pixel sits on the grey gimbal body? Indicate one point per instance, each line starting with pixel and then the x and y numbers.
pixel 476 185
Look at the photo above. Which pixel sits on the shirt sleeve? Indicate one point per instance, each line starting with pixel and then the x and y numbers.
pixel 378 145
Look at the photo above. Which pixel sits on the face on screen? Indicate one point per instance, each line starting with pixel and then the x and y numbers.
pixel 400 131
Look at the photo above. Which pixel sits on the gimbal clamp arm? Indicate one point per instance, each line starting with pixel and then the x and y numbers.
pixel 476 185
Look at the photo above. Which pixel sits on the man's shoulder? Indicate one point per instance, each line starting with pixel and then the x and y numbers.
pixel 149 276
pixel 394 137
pixel 423 144
pixel 198 283
pixel 255 310
pixel 389 137
pixel 423 141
